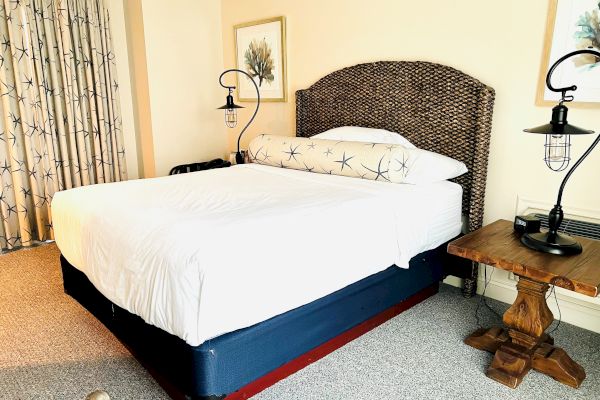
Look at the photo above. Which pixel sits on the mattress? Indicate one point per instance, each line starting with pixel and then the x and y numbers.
pixel 206 253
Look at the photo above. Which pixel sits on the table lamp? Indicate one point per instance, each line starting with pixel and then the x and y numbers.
pixel 231 110
pixel 557 156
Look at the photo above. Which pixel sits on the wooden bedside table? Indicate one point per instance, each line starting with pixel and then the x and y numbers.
pixel 523 344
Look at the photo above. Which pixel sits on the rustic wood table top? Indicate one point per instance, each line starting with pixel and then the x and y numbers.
pixel 498 245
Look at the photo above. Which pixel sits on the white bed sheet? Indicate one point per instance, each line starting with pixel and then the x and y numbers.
pixel 202 254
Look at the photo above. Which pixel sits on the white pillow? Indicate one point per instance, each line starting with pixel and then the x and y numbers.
pixel 366 135
pixel 425 166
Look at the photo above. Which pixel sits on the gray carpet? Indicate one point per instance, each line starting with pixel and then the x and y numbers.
pixel 50 348
pixel 420 355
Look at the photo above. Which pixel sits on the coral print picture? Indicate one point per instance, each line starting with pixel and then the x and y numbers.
pixel 260 51
pixel 572 25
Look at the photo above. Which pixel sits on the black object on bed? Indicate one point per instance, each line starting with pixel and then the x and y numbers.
pixel 437 108
pixel 201 166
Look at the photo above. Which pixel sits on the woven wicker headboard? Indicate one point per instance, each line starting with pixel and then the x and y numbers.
pixel 436 107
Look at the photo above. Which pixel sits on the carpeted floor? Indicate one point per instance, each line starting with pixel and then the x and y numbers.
pixel 51 348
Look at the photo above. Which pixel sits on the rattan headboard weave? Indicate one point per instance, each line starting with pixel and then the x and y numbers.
pixel 436 107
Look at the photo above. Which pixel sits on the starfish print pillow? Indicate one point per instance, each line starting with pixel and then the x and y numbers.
pixel 353 159
pixel 376 161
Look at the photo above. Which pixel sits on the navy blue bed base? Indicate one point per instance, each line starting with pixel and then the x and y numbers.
pixel 223 365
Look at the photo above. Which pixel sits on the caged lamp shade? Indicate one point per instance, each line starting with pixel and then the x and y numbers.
pixel 230 111
pixel 558 133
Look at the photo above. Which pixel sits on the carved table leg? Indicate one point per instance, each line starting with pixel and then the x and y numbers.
pixel 525 345
pixel 554 362
pixel 488 339
pixel 510 365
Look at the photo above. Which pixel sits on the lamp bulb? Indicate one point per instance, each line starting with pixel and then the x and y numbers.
pixel 557 149
pixel 230 117
pixel 557 155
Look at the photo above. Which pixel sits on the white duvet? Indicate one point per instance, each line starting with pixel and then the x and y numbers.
pixel 206 253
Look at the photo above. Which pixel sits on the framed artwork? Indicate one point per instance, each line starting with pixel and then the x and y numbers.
pixel 260 51
pixel 572 25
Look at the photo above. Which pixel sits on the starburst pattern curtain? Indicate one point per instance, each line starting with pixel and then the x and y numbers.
pixel 60 123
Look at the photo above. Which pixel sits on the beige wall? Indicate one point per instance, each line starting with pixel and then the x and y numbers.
pixel 498 43
pixel 138 73
pixel 169 57
pixel 184 59
pixel 120 46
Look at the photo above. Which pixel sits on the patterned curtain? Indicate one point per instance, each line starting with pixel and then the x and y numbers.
pixel 60 122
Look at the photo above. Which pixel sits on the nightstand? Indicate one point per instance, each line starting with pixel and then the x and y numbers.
pixel 523 345
pixel 201 166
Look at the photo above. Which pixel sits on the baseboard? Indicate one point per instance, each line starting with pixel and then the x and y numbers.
pixel 453 281
pixel 575 309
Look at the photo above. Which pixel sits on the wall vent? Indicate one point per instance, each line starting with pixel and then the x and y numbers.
pixel 574 227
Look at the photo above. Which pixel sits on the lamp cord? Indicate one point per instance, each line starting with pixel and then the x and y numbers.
pixel 483 299
pixel 257 99
pixel 553 290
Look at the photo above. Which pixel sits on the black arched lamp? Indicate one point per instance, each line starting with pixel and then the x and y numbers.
pixel 231 110
pixel 557 157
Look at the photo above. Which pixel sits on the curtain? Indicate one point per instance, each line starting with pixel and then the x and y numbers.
pixel 60 122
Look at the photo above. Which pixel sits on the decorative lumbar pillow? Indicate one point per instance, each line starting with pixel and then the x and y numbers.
pixel 354 159
pixel 376 161
pixel 368 135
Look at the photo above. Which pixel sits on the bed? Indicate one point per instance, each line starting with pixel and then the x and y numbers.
pixel 255 320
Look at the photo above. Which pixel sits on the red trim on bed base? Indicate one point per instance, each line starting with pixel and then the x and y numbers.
pixel 331 345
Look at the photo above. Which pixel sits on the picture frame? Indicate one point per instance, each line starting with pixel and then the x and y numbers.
pixel 569 28
pixel 252 41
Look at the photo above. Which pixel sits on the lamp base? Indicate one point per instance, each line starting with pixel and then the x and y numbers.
pixel 240 157
pixel 559 244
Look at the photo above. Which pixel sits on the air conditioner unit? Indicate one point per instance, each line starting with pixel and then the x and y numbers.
pixel 574 226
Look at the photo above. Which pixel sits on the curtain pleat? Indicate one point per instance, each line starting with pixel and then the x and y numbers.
pixel 60 121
